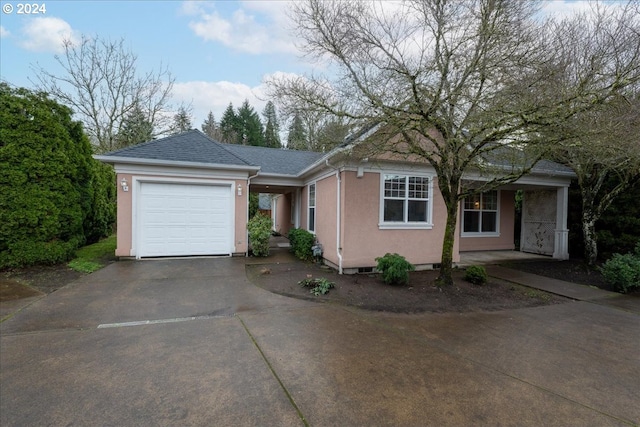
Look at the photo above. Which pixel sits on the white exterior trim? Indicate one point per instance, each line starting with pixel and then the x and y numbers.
pixel 480 233
pixel 387 225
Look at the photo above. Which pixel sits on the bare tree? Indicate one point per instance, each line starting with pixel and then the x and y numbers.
pixel 601 144
pixel 602 147
pixel 456 82
pixel 102 85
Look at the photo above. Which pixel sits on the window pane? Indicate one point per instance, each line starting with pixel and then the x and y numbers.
pixel 418 187
pixel 394 210
pixel 490 201
pixel 471 221
pixel 312 195
pixel 417 211
pixel 394 186
pixel 489 221
pixel 312 219
pixel 472 202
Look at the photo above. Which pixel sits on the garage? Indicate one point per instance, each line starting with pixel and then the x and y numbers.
pixel 180 219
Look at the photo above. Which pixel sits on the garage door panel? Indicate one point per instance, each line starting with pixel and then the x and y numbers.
pixel 184 219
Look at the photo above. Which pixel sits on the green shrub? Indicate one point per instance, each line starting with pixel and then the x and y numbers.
pixel 319 286
pixel 394 268
pixel 301 242
pixel 259 233
pixel 476 274
pixel 622 272
pixel 54 195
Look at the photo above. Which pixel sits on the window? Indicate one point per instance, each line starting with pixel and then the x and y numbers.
pixel 480 214
pixel 405 201
pixel 311 220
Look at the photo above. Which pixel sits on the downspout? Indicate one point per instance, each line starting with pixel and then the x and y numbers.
pixel 247 211
pixel 338 247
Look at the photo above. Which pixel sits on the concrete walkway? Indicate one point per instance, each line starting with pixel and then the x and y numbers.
pixel 192 343
pixel 566 289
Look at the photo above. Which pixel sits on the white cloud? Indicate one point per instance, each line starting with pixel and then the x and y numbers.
pixel 47 34
pixel 4 32
pixel 206 96
pixel 215 97
pixel 255 27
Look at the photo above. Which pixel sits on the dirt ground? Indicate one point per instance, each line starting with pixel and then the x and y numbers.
pixel 368 291
pixel 31 281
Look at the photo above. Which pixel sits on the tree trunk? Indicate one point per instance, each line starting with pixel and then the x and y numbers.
pixel 446 262
pixel 589 234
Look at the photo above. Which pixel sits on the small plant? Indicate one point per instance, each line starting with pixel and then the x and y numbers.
pixel 319 286
pixel 259 233
pixel 476 274
pixel 394 268
pixel 301 243
pixel 622 272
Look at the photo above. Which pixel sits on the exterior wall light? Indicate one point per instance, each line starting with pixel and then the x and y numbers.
pixel 124 184
pixel 239 190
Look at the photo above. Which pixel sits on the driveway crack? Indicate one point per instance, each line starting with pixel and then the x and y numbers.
pixel 273 371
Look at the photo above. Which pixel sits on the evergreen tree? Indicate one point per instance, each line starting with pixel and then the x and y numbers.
pixel 210 127
pixel 297 138
pixel 181 121
pixel 330 134
pixel 54 196
pixel 250 126
pixel 272 127
pixel 229 126
pixel 136 128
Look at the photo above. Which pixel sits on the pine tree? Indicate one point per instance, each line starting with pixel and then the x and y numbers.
pixel 251 129
pixel 331 133
pixel 210 127
pixel 229 126
pixel 297 138
pixel 181 121
pixel 136 128
pixel 272 127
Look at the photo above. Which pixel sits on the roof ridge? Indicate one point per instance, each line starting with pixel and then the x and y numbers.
pixel 222 145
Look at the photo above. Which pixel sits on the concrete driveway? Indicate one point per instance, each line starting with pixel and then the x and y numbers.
pixel 191 342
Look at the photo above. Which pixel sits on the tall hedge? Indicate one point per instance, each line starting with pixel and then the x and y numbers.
pixel 53 194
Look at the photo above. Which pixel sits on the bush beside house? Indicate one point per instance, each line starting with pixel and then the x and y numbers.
pixel 55 196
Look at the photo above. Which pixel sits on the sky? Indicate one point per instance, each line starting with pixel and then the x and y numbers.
pixel 218 51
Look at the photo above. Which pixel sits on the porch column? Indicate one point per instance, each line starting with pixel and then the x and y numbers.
pixel 561 241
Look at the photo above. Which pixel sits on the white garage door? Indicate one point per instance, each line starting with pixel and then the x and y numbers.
pixel 184 219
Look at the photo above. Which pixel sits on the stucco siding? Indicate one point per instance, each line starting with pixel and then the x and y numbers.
pixel 126 206
pixel 505 241
pixel 283 214
pixel 124 217
pixel 326 221
pixel 363 240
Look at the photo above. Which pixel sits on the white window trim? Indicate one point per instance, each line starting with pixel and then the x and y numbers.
pixel 315 208
pixel 397 225
pixel 481 233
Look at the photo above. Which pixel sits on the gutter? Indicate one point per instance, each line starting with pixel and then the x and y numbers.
pixel 338 222
pixel 159 162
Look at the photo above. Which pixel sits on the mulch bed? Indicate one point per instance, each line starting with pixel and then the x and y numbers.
pixel 368 291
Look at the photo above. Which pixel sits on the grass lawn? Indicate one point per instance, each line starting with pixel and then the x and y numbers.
pixel 93 257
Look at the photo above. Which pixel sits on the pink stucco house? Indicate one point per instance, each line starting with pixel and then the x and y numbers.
pixel 187 195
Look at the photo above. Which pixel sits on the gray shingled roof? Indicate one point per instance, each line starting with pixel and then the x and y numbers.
pixel 275 160
pixel 194 146
pixel 190 146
